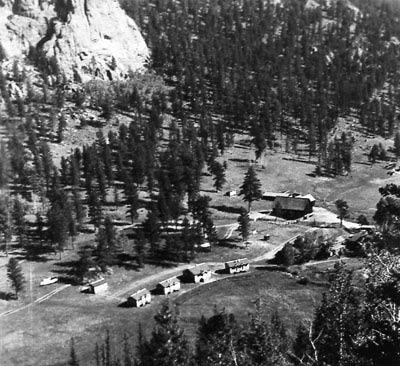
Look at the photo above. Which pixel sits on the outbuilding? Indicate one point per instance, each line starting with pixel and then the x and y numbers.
pixel 99 286
pixel 169 286
pixel 231 193
pixel 196 274
pixel 139 298
pixel 237 266
pixel 292 207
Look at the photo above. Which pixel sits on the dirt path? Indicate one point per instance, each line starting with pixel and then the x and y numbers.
pixel 37 301
pixel 309 264
pixel 231 229
pixel 150 281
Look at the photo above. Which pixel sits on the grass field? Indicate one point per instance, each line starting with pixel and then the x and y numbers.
pixel 40 334
pixel 277 291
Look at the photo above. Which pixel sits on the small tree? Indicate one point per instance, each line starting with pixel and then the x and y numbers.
pixel 342 208
pixel 251 187
pixel 397 143
pixel 285 256
pixel 244 224
pixel 362 220
pixel 15 276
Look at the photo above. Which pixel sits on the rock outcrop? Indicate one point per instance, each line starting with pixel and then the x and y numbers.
pixel 80 38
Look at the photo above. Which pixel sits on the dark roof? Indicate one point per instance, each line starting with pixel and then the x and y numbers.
pixel 275 194
pixel 99 282
pixel 237 262
pixel 292 203
pixel 169 282
pixel 139 294
pixel 199 269
pixel 356 237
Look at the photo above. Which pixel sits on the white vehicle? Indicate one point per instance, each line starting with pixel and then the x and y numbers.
pixel 48 281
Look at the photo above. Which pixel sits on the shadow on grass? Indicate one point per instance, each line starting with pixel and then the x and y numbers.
pixel 239 160
pixel 228 209
pixel 300 160
pixel 128 262
pixel 7 296
pixel 228 243
pixel 124 305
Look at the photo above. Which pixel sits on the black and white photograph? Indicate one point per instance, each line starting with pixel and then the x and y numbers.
pixel 200 182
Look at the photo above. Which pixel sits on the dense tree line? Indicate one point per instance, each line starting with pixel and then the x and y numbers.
pixel 277 69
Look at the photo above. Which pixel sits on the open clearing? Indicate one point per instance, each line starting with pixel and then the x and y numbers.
pixel 40 334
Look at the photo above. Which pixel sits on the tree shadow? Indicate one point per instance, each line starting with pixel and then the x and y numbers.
pixel 7 296
pixel 228 209
pixel 239 160
pixel 128 262
pixel 228 243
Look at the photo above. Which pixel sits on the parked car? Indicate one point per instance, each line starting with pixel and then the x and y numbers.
pixel 48 281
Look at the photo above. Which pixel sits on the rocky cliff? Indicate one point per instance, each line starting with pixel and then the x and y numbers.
pixel 80 38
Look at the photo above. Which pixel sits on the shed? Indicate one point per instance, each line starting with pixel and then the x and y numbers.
pixel 139 298
pixel 292 207
pixel 169 286
pixel 196 274
pixel 98 286
pixel 237 266
pixel 231 193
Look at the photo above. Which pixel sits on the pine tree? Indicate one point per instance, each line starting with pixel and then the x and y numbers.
pixel 19 222
pixel 337 320
pixel 168 345
pixel 84 264
pixel 62 124
pixel 265 342
pixel 244 224
pixel 342 208
pixel 15 276
pixel 151 230
pixel 59 218
pixel 107 245
pixel 397 144
pixel 6 226
pixel 251 187
pixel 217 340
pixel 95 211
pixel 217 169
pixel 4 166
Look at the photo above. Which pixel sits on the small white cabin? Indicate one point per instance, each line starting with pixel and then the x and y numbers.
pixel 169 286
pixel 98 286
pixel 196 274
pixel 139 298
pixel 237 266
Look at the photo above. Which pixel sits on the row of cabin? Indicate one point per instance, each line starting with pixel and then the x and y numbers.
pixel 237 266
pixel 196 274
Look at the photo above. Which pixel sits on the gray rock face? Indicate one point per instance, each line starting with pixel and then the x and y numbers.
pixel 81 38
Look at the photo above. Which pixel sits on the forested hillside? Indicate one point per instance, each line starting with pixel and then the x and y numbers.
pixel 120 178
pixel 278 68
